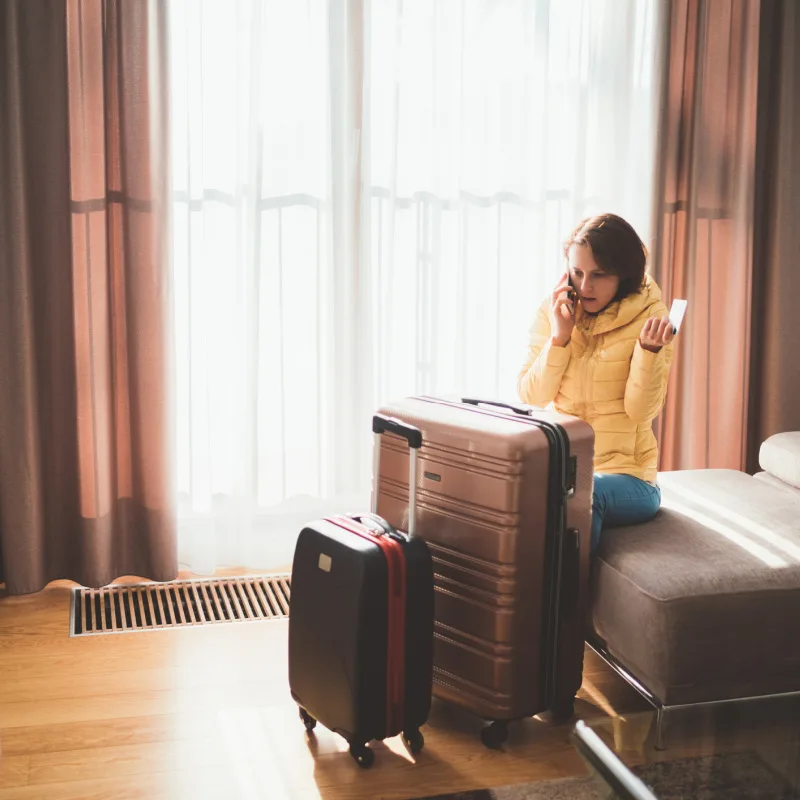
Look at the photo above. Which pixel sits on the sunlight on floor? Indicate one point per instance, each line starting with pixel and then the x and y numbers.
pixel 598 697
pixel 629 733
pixel 398 747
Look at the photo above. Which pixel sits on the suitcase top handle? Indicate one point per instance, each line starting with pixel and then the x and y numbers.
pixel 524 411
pixel 384 424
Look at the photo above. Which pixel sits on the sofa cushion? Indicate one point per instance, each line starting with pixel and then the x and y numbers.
pixel 780 456
pixel 703 602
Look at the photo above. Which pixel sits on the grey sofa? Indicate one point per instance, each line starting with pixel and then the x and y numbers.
pixel 702 604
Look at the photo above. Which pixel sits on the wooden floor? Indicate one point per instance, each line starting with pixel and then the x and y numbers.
pixel 205 713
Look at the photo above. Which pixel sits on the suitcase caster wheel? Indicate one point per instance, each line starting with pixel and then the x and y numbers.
pixel 495 734
pixel 563 710
pixel 414 741
pixel 308 720
pixel 362 755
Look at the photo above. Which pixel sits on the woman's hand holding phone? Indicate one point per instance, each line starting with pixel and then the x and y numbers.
pixel 563 312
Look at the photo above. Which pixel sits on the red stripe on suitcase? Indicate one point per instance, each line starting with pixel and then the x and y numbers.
pixel 396 625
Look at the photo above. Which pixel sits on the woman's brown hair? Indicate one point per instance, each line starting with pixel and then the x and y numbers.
pixel 616 247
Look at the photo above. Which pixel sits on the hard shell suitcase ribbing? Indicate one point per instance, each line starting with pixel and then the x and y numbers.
pixel 361 620
pixel 504 496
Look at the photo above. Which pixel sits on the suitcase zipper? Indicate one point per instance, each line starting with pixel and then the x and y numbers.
pixel 591 344
pixel 396 624
pixel 558 440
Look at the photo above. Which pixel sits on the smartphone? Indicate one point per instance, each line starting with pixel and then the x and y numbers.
pixel 676 314
pixel 573 294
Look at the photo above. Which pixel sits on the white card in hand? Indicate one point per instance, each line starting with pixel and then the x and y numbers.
pixel 676 314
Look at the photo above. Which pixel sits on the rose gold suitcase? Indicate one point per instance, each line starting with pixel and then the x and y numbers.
pixel 504 497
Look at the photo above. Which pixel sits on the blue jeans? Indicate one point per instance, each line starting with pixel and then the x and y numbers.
pixel 621 500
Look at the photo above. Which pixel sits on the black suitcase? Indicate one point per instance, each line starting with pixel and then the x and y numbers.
pixel 361 621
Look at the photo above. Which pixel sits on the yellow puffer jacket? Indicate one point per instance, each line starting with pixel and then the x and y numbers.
pixel 606 378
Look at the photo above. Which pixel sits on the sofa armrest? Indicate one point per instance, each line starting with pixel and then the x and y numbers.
pixel 780 457
pixel 766 477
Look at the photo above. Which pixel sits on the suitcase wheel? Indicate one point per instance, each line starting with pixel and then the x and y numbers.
pixel 495 734
pixel 414 740
pixel 308 720
pixel 362 755
pixel 563 710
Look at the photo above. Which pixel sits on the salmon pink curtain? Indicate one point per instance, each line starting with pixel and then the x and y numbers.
pixel 704 225
pixel 86 468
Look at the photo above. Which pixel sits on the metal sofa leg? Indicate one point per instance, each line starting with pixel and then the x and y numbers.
pixel 661 722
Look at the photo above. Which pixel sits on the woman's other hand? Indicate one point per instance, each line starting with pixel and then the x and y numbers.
pixel 656 333
pixel 563 311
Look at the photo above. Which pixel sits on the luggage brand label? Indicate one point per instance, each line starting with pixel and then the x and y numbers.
pixel 324 562
pixel 432 476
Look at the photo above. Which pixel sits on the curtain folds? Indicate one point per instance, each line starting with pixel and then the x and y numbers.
pixel 271 217
pixel 775 366
pixel 725 194
pixel 86 446
pixel 705 221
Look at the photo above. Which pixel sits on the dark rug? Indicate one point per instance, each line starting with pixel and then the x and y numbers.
pixel 729 776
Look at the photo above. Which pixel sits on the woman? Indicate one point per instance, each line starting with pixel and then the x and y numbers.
pixel 601 349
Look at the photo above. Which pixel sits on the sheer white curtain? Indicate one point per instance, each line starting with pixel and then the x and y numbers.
pixel 369 198
pixel 494 128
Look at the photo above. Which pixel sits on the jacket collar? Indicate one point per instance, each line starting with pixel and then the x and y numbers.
pixel 621 312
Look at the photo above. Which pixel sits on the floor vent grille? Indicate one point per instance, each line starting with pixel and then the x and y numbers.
pixel 126 608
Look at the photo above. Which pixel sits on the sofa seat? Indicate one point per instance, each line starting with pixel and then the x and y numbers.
pixel 703 602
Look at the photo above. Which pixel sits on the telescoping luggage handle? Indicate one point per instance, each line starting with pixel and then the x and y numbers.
pixel 382 424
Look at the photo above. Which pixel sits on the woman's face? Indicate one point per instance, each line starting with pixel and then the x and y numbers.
pixel 596 288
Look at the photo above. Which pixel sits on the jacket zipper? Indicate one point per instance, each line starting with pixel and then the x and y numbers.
pixel 587 354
